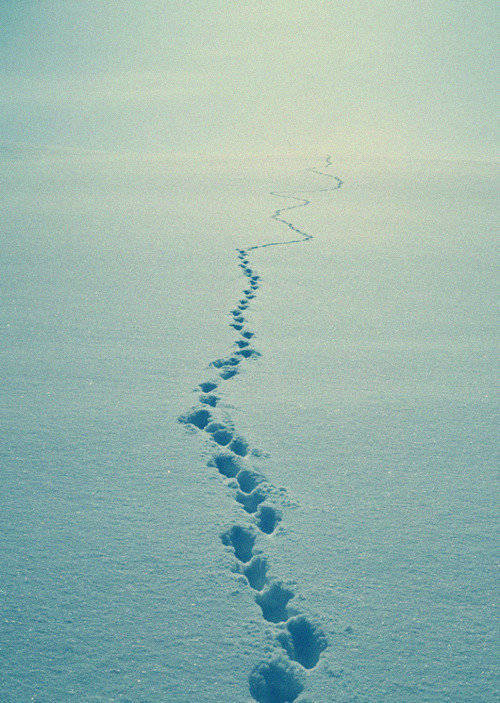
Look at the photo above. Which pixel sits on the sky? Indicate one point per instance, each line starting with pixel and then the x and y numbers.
pixel 403 79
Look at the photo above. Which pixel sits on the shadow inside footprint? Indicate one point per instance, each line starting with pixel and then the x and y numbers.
pixel 251 501
pixel 247 335
pixel 209 400
pixel 267 518
pixel 228 465
pixel 241 539
pixel 239 446
pixel 248 480
pixel 256 572
pixel 303 641
pixel 228 373
pixel 198 418
pixel 247 352
pixel 208 386
pixel 220 363
pixel 222 437
pixel 273 602
pixel 275 681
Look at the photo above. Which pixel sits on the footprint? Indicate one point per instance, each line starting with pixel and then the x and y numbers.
pixel 239 319
pixel 247 352
pixel 247 335
pixel 273 602
pixel 242 343
pixel 209 400
pixel 228 373
pixel 256 572
pixel 228 465
pixel 275 681
pixel 267 518
pixel 251 501
pixel 208 386
pixel 220 363
pixel 214 426
pixel 242 540
pixel 222 437
pixel 198 418
pixel 236 326
pixel 303 641
pixel 239 446
pixel 248 480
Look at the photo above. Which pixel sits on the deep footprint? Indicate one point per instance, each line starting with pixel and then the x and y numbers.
pixel 303 641
pixel 222 437
pixel 275 681
pixel 239 446
pixel 228 465
pixel 209 400
pixel 273 602
pixel 248 480
pixel 256 572
pixel 246 353
pixel 208 386
pixel 267 518
pixel 198 418
pixel 228 373
pixel 241 539
pixel 251 501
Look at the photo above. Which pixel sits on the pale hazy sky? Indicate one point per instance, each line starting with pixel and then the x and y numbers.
pixel 403 78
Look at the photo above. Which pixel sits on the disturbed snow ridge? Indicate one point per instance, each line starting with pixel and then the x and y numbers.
pixel 299 642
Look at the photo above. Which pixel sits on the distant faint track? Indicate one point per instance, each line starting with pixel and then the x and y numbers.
pixel 299 641
pixel 303 202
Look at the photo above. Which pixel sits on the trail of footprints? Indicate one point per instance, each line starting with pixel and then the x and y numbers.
pixel 299 641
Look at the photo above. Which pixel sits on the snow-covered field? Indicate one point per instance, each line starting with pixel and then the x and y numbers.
pixel 137 561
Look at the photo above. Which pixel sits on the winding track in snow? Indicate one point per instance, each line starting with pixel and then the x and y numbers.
pixel 299 641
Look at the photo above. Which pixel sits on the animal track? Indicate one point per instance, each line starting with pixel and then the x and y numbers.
pixel 208 386
pixel 251 501
pixel 222 437
pixel 303 641
pixel 267 518
pixel 246 352
pixel 209 400
pixel 273 602
pixel 239 446
pixel 278 679
pixel 248 480
pixel 241 539
pixel 275 681
pixel 228 465
pixel 256 572
pixel 228 373
pixel 198 418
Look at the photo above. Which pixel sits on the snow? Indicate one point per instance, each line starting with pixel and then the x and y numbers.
pixel 330 536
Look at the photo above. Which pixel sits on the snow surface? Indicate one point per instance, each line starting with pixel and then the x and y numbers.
pixel 133 558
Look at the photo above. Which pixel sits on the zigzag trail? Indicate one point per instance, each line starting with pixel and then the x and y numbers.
pixel 299 641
